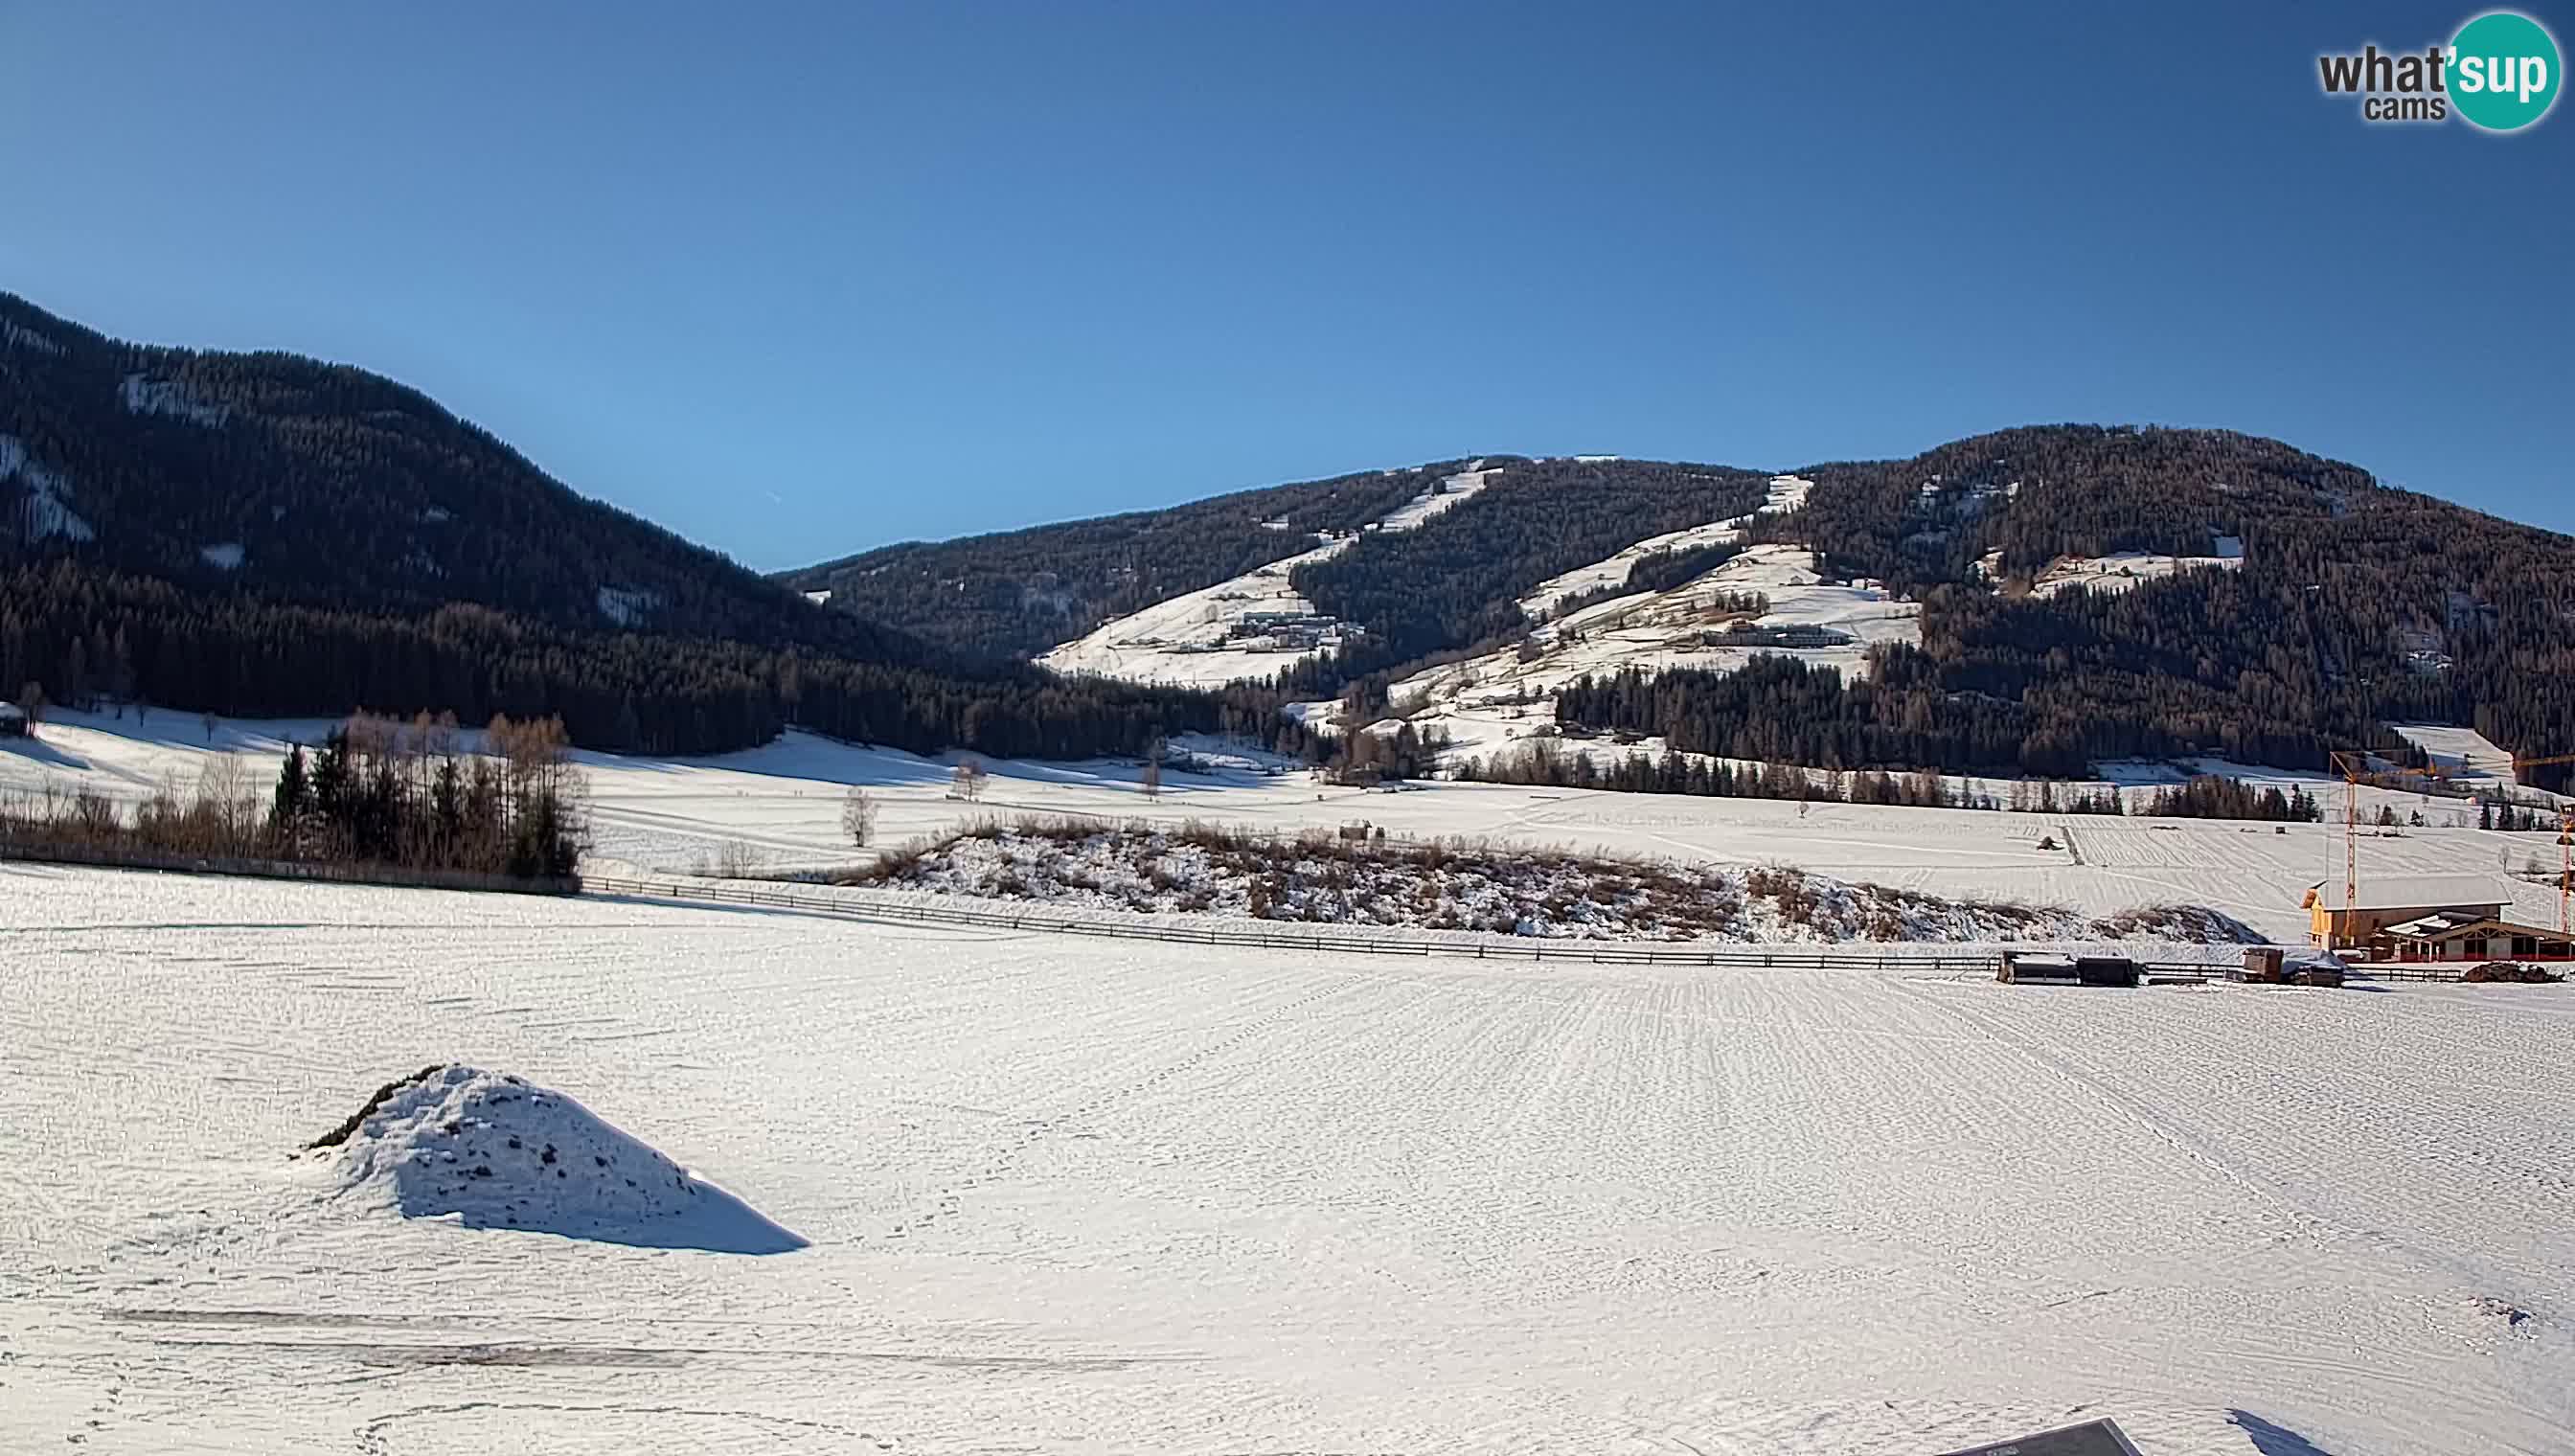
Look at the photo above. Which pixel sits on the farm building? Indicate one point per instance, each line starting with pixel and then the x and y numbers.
pixel 2383 901
pixel 2451 935
pixel 13 721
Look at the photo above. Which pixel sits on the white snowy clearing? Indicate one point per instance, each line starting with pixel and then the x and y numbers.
pixel 1700 623
pixel 224 556
pixel 1252 626
pixel 2462 754
pixel 2122 570
pixel 1070 1195
pixel 14 335
pixel 1787 493
pixel 144 395
pixel 48 508
pixel 627 606
pixel 779 806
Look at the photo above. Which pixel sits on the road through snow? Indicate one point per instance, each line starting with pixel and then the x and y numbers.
pixel 1084 1196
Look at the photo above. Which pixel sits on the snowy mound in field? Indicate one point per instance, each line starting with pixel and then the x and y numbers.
pixel 490 1150
pixel 1511 889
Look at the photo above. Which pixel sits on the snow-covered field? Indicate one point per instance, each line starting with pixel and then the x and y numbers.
pixel 2122 570
pixel 1078 1196
pixel 782 803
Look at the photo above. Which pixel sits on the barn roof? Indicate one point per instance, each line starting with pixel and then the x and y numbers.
pixel 2412 891
pixel 2443 927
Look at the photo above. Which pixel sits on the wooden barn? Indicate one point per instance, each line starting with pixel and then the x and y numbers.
pixel 2385 901
pixel 2450 936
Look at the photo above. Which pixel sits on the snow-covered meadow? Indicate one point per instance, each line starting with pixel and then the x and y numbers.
pixel 779 808
pixel 1072 1196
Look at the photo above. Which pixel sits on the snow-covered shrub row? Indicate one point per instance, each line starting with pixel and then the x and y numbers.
pixel 1323 877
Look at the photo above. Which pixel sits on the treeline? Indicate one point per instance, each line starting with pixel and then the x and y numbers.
pixel 86 634
pixel 379 791
pixel 2209 797
pixel 374 793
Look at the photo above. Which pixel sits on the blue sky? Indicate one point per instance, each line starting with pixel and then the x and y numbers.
pixel 796 280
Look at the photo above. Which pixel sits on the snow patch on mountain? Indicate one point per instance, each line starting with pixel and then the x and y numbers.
pixel 224 556
pixel 1767 601
pixel 487 1151
pixel 1249 626
pixel 2122 570
pixel 1787 493
pixel 146 395
pixel 48 510
pixel 627 605
pixel 1446 496
pixel 14 335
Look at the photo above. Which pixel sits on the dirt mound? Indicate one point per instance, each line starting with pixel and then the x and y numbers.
pixel 490 1150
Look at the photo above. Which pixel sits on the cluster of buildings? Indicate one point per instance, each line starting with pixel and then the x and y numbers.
pixel 2426 917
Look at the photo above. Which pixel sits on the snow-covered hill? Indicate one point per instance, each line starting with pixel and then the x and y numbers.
pixel 1787 493
pixel 1250 625
pixel 1767 601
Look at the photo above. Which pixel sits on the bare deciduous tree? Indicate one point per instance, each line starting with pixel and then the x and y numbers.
pixel 859 816
pixel 968 782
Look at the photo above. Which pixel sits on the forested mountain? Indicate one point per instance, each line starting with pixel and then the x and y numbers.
pixel 2355 606
pixel 1017 593
pixel 2344 604
pixel 263 534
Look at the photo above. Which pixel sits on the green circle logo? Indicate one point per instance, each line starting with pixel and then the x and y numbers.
pixel 2504 71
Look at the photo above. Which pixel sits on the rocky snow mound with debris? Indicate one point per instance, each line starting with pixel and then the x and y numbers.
pixel 1509 890
pixel 490 1150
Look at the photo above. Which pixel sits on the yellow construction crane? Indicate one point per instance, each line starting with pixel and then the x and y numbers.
pixel 2356 767
pixel 2565 840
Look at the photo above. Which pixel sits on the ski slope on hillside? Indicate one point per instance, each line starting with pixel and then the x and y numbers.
pixel 1703 624
pixel 1250 625
pixel 1066 1195
pixel 1787 493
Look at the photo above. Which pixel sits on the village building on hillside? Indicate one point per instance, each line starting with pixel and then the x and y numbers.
pixel 12 722
pixel 2425 918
